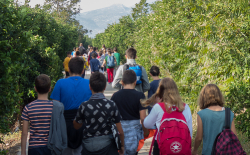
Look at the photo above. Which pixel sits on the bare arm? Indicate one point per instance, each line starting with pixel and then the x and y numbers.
pixel 77 125
pixel 199 135
pixel 24 137
pixel 233 128
pixel 142 117
pixel 120 130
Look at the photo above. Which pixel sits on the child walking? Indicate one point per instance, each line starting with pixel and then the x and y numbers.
pixel 66 64
pixel 211 118
pixel 110 62
pixel 168 94
pixel 39 114
pixel 132 112
pixel 94 63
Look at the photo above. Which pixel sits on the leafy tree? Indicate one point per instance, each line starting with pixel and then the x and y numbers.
pixel 141 9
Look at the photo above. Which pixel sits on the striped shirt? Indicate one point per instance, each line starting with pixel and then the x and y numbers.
pixel 38 113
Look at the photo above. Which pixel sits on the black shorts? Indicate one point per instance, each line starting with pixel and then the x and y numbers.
pixel 39 150
pixel 67 73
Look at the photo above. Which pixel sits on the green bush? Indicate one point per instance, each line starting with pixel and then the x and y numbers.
pixel 196 43
pixel 32 42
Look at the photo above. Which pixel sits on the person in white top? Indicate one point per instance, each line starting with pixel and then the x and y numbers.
pixel 168 93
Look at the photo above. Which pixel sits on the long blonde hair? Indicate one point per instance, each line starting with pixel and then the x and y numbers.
pixel 169 94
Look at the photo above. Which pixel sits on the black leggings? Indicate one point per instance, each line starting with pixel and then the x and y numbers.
pixel 156 150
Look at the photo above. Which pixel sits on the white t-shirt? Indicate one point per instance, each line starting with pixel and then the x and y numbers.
pixel 156 114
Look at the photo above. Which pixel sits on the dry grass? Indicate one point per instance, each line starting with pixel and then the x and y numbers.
pixel 241 136
pixel 12 142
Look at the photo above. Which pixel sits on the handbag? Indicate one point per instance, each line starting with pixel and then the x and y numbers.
pixel 116 135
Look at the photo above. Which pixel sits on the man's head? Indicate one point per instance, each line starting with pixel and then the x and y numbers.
pixel 109 51
pixel 77 53
pixel 74 49
pixel 154 71
pixel 131 53
pixel 91 48
pixel 42 84
pixel 88 46
pixel 76 65
pixel 94 48
pixel 94 55
pixel 80 44
pixel 129 78
pixel 68 53
pixel 97 82
pixel 115 49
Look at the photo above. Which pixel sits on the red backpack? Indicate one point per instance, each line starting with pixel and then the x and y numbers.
pixel 173 134
pixel 227 142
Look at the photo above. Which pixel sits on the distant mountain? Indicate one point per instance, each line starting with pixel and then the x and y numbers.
pixel 98 20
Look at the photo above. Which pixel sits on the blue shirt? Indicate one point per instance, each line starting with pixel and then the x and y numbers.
pixel 213 123
pixel 153 87
pixel 90 55
pixel 71 92
pixel 95 65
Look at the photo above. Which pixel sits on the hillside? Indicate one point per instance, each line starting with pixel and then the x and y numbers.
pixel 98 20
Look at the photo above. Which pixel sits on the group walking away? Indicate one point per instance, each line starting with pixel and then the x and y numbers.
pixel 80 120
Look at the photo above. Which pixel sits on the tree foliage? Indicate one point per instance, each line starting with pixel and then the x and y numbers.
pixel 196 43
pixel 32 42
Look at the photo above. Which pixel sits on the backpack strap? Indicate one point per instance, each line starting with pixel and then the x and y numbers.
pixel 153 141
pixel 163 106
pixel 227 118
pixel 125 67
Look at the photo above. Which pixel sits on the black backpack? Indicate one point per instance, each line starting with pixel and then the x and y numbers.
pixel 226 142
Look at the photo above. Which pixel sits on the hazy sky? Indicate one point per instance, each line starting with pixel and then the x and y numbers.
pixel 88 5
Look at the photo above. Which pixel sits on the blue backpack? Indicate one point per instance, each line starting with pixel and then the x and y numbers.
pixel 137 69
pixel 111 62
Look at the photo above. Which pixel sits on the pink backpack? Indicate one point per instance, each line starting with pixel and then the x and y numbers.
pixel 173 134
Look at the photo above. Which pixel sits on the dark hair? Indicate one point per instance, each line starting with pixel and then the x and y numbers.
pixel 129 77
pixel 131 53
pixel 109 51
pixel 42 84
pixel 76 65
pixel 103 46
pixel 94 55
pixel 90 46
pixel 115 49
pixel 74 48
pixel 69 53
pixel 155 71
pixel 77 53
pixel 94 48
pixel 97 82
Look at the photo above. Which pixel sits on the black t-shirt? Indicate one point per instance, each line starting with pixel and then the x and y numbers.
pixel 128 103
pixel 96 114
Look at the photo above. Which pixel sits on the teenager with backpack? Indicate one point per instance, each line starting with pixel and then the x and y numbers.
pixel 211 121
pixel 173 120
pixel 109 61
pixel 142 84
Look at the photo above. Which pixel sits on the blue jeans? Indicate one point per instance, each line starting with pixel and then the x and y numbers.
pixel 39 151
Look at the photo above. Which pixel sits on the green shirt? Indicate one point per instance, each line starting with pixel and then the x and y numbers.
pixel 106 59
pixel 117 56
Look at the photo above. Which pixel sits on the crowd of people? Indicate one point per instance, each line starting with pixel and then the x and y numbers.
pixel 81 120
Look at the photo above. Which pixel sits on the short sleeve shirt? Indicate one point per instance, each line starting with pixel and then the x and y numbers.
pixel 66 64
pixel 96 115
pixel 71 92
pixel 128 103
pixel 117 57
pixel 38 113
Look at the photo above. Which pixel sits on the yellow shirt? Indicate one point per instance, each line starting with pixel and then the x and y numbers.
pixel 66 64
pixel 86 63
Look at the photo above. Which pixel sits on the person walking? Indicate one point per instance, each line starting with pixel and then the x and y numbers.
pixel 142 84
pixel 117 57
pixel 72 92
pixel 97 115
pixel 109 61
pixel 168 100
